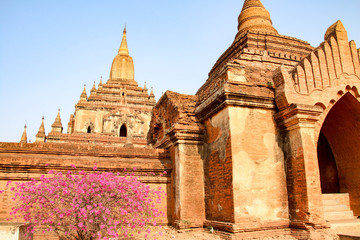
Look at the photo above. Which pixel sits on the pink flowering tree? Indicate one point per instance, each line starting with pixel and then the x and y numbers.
pixel 81 205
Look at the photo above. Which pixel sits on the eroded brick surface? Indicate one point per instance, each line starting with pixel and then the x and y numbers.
pixel 243 155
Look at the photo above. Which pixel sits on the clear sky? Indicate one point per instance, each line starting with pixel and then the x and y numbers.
pixel 49 49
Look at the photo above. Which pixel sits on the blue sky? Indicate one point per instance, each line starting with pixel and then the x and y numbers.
pixel 49 49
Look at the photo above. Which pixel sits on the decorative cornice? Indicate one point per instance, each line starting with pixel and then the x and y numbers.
pixel 234 94
pixel 296 116
pixel 186 134
pixel 94 150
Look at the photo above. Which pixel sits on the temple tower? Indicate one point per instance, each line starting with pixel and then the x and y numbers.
pixel 229 139
pixel 116 112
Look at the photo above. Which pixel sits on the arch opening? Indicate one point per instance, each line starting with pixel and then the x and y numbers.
pixel 338 150
pixel 89 129
pixel 329 177
pixel 123 131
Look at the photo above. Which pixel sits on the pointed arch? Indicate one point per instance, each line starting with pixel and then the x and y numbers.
pixel 338 150
pixel 89 127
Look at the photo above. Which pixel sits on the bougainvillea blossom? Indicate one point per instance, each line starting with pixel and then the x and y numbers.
pixel 81 205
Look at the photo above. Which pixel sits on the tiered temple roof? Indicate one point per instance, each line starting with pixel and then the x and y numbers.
pixel 121 89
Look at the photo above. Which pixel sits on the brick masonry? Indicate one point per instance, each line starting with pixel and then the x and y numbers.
pixel 274 126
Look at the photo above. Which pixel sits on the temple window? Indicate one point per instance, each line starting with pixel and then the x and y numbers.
pixel 123 131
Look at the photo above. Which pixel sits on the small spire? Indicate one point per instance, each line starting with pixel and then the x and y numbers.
pixel 252 3
pixel 40 136
pixel 58 119
pixel 93 89
pixel 145 89
pixel 24 136
pixel 92 92
pixel 83 95
pixel 255 17
pixel 57 125
pixel 152 93
pixel 123 50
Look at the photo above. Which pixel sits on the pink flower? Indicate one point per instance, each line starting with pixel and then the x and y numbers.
pixel 101 199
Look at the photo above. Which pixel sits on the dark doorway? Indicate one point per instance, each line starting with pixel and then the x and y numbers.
pixel 328 170
pixel 123 131
pixel 89 129
pixel 339 150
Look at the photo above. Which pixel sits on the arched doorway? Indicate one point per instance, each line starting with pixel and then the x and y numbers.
pixel 123 131
pixel 339 150
pixel 329 177
pixel 89 129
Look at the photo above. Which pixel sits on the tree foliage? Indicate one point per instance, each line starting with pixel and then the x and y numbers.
pixel 81 205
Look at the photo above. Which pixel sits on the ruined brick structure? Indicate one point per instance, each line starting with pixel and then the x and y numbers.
pixel 268 146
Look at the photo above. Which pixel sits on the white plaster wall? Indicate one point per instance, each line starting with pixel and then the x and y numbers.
pixel 9 232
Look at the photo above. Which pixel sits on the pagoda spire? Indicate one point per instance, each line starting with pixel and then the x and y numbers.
pixel 93 89
pixel 145 88
pixel 40 136
pixel 254 17
pixel 152 95
pixel 24 136
pixel 92 92
pixel 252 3
pixel 83 95
pixel 57 125
pixel 122 68
pixel 123 50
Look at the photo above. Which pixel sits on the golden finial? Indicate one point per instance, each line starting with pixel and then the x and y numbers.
pixel 123 50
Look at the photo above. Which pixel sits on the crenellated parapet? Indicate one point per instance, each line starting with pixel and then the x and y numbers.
pixel 332 67
pixel 323 66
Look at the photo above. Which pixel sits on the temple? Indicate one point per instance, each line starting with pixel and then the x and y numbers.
pixel 267 148
pixel 116 112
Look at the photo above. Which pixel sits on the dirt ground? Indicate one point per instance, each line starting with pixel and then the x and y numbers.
pixel 168 233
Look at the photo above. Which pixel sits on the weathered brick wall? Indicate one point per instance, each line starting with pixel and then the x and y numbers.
pixel 218 169
pixel 189 186
pixel 21 162
pixel 260 193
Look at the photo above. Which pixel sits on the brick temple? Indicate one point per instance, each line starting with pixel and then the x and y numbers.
pixel 267 147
